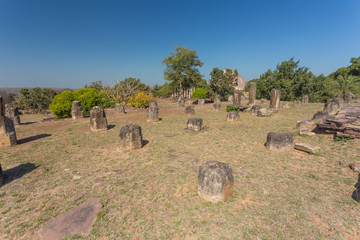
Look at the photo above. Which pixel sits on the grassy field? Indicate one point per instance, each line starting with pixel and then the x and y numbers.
pixel 151 193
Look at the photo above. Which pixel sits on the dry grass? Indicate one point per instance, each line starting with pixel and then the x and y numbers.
pixel 151 193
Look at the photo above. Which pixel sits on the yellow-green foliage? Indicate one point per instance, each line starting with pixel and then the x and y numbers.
pixel 140 99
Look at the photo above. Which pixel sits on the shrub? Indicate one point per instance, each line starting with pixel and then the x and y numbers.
pixel 61 104
pixel 199 93
pixel 232 108
pixel 140 99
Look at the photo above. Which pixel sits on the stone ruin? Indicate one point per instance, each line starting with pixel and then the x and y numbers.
pixel 232 116
pixel 215 181
pixel 348 97
pixel 306 127
pixel 305 99
pixel 320 115
pixel 252 93
pixel 7 128
pixel 119 108
pixel 279 141
pixel 286 105
pixel 237 98
pixel 13 113
pixel 194 124
pixel 131 137
pixel 263 101
pixel 254 109
pixel 98 121
pixel 217 106
pixel 152 113
pixel 181 102
pixel 334 106
pixel 275 99
pixel 201 101
pixel 189 110
pixel 76 110
pixel 264 112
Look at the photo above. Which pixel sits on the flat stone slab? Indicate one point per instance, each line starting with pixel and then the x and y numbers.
pixel 306 148
pixel 78 220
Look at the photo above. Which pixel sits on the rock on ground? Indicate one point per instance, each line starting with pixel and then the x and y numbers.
pixel 306 148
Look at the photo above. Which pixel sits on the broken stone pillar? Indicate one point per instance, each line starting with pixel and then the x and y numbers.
pixel 201 101
pixel 275 99
pixel 237 98
pixel 215 181
pixel 12 112
pixel 306 127
pixel 189 110
pixel 320 115
pixel 217 106
pixel 119 108
pixel 254 109
pixel 286 105
pixel 339 102
pixel 232 116
pixel 98 121
pixel 76 110
pixel 252 93
pixel 7 128
pixel 279 141
pixel 306 148
pixel 305 99
pixel 152 112
pixel 348 97
pixel 194 124
pixel 181 102
pixel 131 137
pixel 331 107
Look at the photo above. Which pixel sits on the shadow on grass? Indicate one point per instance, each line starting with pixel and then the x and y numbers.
pixel 17 172
pixel 110 126
pixel 27 123
pixel 356 193
pixel 32 138
pixel 145 142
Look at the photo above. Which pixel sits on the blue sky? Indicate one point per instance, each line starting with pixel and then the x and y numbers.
pixel 70 43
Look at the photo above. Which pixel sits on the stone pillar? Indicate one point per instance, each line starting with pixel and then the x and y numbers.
pixel 232 116
pixel 7 128
pixel 217 106
pixel 131 137
pixel 189 110
pixel 217 99
pixel 12 112
pixel 279 141
pixel 215 181
pixel 231 98
pixel 237 98
pixel 76 110
pixel 119 108
pixel 194 124
pixel 275 99
pixel 152 112
pixel 252 93
pixel 181 102
pixel 98 121
pixel 305 99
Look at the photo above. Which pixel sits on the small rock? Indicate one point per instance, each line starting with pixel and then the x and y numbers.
pixel 306 148
pixel 232 116
pixel 76 177
pixel 279 141
pixel 355 166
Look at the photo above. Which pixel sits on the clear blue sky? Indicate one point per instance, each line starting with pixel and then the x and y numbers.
pixel 70 43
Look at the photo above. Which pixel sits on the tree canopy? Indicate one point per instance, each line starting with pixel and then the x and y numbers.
pixel 221 82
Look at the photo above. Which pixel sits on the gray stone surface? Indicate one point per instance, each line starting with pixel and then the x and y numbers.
pixel 119 108
pixel 252 93
pixel 76 110
pixel 320 115
pixel 279 141
pixel 78 220
pixel 7 128
pixel 217 106
pixel 254 109
pixel 306 148
pixel 305 99
pixel 275 99
pixel 263 112
pixel 286 105
pixel 306 127
pixel 331 107
pixel 232 116
pixel 215 181
pixel 12 112
pixel 189 111
pixel 237 98
pixel 348 97
pixel 152 113
pixel 131 137
pixel 194 124
pixel 98 121
pixel 297 103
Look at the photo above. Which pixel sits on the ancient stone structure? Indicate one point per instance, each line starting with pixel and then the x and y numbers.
pixel 78 220
pixel 339 102
pixel 119 108
pixel 331 107
pixel 275 99
pixel 254 109
pixel 215 181
pixel 306 127
pixel 232 116
pixel 7 128
pixel 348 97
pixel 306 148
pixel 279 141
pixel 305 99
pixel 320 115
pixel 201 101
pixel 252 93
pixel 237 98
pixel 76 110
pixel 131 137
pixel 12 112
pixel 98 121
pixel 181 102
pixel 152 113
pixel 231 98
pixel 263 112
pixel 286 105
pixel 217 106
pixel 189 110
pixel 194 124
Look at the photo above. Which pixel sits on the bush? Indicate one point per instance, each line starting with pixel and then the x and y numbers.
pixel 199 93
pixel 61 104
pixel 232 108
pixel 140 99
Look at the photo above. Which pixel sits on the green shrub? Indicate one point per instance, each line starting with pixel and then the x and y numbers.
pixel 199 93
pixel 232 108
pixel 61 104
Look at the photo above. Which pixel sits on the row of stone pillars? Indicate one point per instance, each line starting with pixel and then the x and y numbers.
pixel 187 93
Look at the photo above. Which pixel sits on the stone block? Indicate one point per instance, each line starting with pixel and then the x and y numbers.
pixel 131 137
pixel 98 121
pixel 194 124
pixel 279 141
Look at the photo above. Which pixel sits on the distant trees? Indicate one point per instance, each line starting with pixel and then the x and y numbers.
pixel 348 83
pixel 36 99
pixel 221 82
pixel 162 91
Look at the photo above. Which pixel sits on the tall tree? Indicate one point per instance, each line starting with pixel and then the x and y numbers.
pixel 348 83
pixel 221 82
pixel 182 68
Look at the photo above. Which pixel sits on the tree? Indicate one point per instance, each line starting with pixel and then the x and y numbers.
pixel 347 84
pixel 97 85
pixel 37 99
pixel 182 68
pixel 221 82
pixel 162 91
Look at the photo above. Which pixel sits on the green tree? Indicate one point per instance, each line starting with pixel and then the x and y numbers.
pixel 162 91
pixel 199 93
pixel 182 68
pixel 348 83
pixel 37 99
pixel 221 82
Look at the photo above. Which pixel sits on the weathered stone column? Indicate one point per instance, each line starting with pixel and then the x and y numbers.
pixel 152 112
pixel 275 99
pixel 7 128
pixel 76 110
pixel 279 141
pixel 12 112
pixel 194 124
pixel 131 137
pixel 237 98
pixel 98 121
pixel 305 99
pixel 119 108
pixel 189 110
pixel 252 93
pixel 181 102
pixel 232 116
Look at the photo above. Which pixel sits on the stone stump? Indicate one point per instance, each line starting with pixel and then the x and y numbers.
pixel 189 110
pixel 297 103
pixel 217 106
pixel 131 137
pixel 252 93
pixel 254 109
pixel 263 112
pixel 331 107
pixel 232 116
pixel 194 124
pixel 215 181
pixel 201 101
pixel 320 115
pixel 231 98
pixel 275 99
pixel 119 108
pixel 12 112
pixel 263 101
pixel 98 121
pixel 305 99
pixel 152 113
pixel 286 105
pixel 76 110
pixel 237 98
pixel 7 128
pixel 181 102
pixel 279 141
